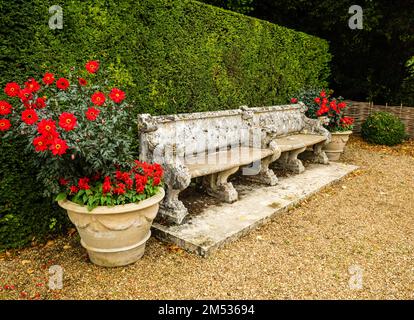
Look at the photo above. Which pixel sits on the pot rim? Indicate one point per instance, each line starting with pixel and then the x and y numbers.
pixel 342 132
pixel 125 208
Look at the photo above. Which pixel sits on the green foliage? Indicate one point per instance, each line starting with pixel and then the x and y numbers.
pixel 307 96
pixel 368 63
pixel 383 128
pixel 24 212
pixel 241 6
pixel 170 56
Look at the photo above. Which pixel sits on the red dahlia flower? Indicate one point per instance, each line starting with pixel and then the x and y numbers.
pixel 67 121
pixel 117 95
pixel 92 114
pixel 32 85
pixel 40 144
pixel 58 147
pixel 5 108
pixel 323 94
pixel 12 89
pixel 63 182
pixel 82 82
pixel 92 66
pixel 4 124
pixel 294 100
pixel 25 95
pixel 318 100
pixel 84 184
pixel 48 78
pixel 98 98
pixel 347 121
pixel 46 127
pixel 40 103
pixel 29 117
pixel 341 105
pixel 62 84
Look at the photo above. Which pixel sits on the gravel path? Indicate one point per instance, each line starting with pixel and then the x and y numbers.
pixel 366 221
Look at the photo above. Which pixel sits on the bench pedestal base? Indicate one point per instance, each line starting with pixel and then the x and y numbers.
pixel 289 161
pixel 217 186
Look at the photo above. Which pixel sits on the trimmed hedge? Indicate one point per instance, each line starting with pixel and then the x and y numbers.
pixel 170 55
pixel 24 212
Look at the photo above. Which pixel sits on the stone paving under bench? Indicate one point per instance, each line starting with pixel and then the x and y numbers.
pixel 220 224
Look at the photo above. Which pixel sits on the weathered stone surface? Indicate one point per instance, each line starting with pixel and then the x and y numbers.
pixel 215 145
pixel 221 224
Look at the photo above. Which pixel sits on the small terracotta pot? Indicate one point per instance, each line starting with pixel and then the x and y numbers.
pixel 114 236
pixel 336 147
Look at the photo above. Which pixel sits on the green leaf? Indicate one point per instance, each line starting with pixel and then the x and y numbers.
pixel 61 196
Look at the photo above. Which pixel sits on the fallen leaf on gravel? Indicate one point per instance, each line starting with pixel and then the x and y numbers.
pixel 260 238
pixel 49 244
pixel 175 248
pixel 66 247
pixel 24 262
pixel 71 232
pixel 30 271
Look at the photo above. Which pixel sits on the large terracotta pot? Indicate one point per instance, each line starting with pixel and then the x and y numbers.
pixel 336 147
pixel 114 236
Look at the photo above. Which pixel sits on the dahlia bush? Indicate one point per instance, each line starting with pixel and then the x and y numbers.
pixel 321 104
pixel 82 138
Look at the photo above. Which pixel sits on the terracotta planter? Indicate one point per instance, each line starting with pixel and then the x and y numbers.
pixel 337 145
pixel 114 236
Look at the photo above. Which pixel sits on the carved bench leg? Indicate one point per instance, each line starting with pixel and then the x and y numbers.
pixel 217 185
pixel 289 161
pixel 171 208
pixel 315 154
pixel 266 175
pixel 319 156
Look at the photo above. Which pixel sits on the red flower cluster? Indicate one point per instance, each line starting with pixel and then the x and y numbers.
pixel 347 121
pixel 49 138
pixel 116 95
pixel 136 179
pixel 325 106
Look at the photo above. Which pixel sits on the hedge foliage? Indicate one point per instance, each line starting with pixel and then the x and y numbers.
pixel 383 128
pixel 170 55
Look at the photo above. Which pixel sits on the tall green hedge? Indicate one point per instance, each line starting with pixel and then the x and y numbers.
pixel 170 55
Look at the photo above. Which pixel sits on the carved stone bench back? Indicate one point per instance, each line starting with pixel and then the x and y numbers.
pixel 195 133
pixel 280 120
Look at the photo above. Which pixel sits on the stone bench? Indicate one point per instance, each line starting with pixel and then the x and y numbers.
pixel 215 145
pixel 294 133
pixel 211 145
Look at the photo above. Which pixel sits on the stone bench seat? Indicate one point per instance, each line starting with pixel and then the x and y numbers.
pixel 209 163
pixel 298 141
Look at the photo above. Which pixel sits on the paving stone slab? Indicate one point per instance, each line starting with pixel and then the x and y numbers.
pixel 220 224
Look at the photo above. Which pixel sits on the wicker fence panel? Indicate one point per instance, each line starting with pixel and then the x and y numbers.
pixel 361 110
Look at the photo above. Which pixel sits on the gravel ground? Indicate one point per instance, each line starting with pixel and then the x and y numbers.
pixel 366 222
